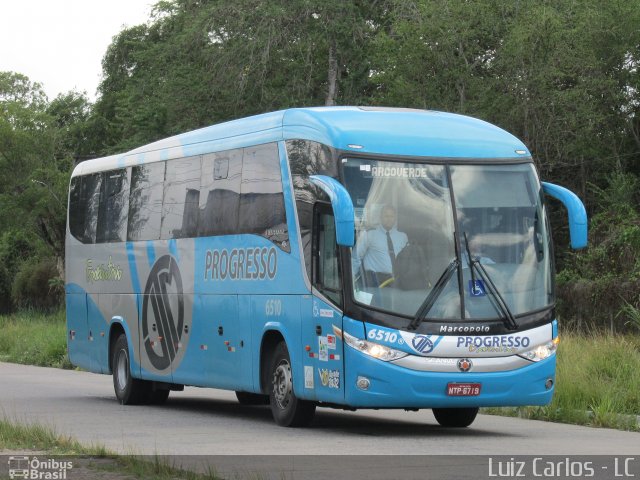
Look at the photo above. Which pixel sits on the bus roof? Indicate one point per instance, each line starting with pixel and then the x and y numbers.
pixel 376 130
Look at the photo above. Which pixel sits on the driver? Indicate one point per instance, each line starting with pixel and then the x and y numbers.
pixel 376 250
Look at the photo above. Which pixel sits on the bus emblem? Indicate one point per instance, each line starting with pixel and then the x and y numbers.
pixel 422 343
pixel 163 322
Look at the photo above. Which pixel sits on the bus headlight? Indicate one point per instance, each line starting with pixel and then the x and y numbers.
pixel 541 351
pixel 375 350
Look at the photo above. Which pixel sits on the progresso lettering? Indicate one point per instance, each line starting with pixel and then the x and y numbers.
pixel 506 341
pixel 257 263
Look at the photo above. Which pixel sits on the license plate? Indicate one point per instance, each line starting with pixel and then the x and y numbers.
pixel 463 389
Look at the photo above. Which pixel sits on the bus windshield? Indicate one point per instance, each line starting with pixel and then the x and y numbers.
pixel 452 239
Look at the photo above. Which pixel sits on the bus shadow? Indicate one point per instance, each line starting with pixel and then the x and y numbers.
pixel 327 420
pixel 371 426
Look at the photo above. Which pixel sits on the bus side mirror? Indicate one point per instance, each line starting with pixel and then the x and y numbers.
pixel 576 211
pixel 342 208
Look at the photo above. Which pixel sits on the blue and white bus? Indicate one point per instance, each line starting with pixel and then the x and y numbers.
pixel 346 257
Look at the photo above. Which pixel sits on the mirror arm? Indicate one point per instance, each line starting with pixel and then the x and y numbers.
pixel 343 213
pixel 576 211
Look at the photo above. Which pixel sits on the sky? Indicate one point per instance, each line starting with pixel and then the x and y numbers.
pixel 60 43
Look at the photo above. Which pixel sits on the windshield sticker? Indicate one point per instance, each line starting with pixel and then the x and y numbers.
pixel 363 297
pixel 326 313
pixel 331 342
pixel 476 289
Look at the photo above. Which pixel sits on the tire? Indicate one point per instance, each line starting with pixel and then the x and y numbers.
pixel 129 390
pixel 157 397
pixel 246 398
pixel 287 409
pixel 455 417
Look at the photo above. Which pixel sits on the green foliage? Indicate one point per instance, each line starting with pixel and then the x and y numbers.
pixel 605 277
pixel 632 313
pixel 32 287
pixel 5 290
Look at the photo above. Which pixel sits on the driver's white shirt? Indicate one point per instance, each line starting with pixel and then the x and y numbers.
pixel 371 248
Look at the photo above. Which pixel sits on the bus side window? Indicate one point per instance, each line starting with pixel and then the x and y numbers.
pixel 220 193
pixel 145 202
pixel 112 217
pixel 90 197
pixel 326 266
pixel 261 199
pixel 76 208
pixel 181 198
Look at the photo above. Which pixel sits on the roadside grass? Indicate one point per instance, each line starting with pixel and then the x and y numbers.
pixel 34 338
pixel 16 436
pixel 597 383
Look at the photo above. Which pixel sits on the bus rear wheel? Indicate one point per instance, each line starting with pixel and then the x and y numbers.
pixel 287 409
pixel 129 390
pixel 455 417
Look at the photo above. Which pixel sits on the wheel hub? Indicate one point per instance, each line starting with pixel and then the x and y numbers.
pixel 282 385
pixel 122 370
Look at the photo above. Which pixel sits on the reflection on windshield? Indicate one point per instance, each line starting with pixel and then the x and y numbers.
pixel 499 208
pixel 406 238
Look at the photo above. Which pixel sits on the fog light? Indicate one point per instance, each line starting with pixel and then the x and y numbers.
pixel 549 383
pixel 363 383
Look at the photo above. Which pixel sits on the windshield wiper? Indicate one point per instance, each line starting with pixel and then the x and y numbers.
pixel 509 319
pixel 433 294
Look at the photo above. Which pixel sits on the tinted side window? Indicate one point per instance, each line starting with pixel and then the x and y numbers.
pixel 327 272
pixel 220 197
pixel 76 208
pixel 145 202
pixel 90 196
pixel 262 202
pixel 181 198
pixel 311 158
pixel 308 158
pixel 112 217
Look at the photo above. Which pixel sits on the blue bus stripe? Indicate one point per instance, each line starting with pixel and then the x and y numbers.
pixel 133 269
pixel 151 253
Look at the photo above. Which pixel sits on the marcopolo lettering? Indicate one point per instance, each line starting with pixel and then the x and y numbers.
pixel 464 329
pixel 502 341
pixel 257 263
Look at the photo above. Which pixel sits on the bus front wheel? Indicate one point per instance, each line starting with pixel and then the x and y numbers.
pixel 287 409
pixel 455 417
pixel 129 390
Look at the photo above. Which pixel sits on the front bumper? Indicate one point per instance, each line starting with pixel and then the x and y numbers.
pixel 392 386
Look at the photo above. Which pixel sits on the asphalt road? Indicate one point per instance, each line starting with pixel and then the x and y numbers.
pixel 211 422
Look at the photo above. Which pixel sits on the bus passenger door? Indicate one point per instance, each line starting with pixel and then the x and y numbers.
pixel 326 303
